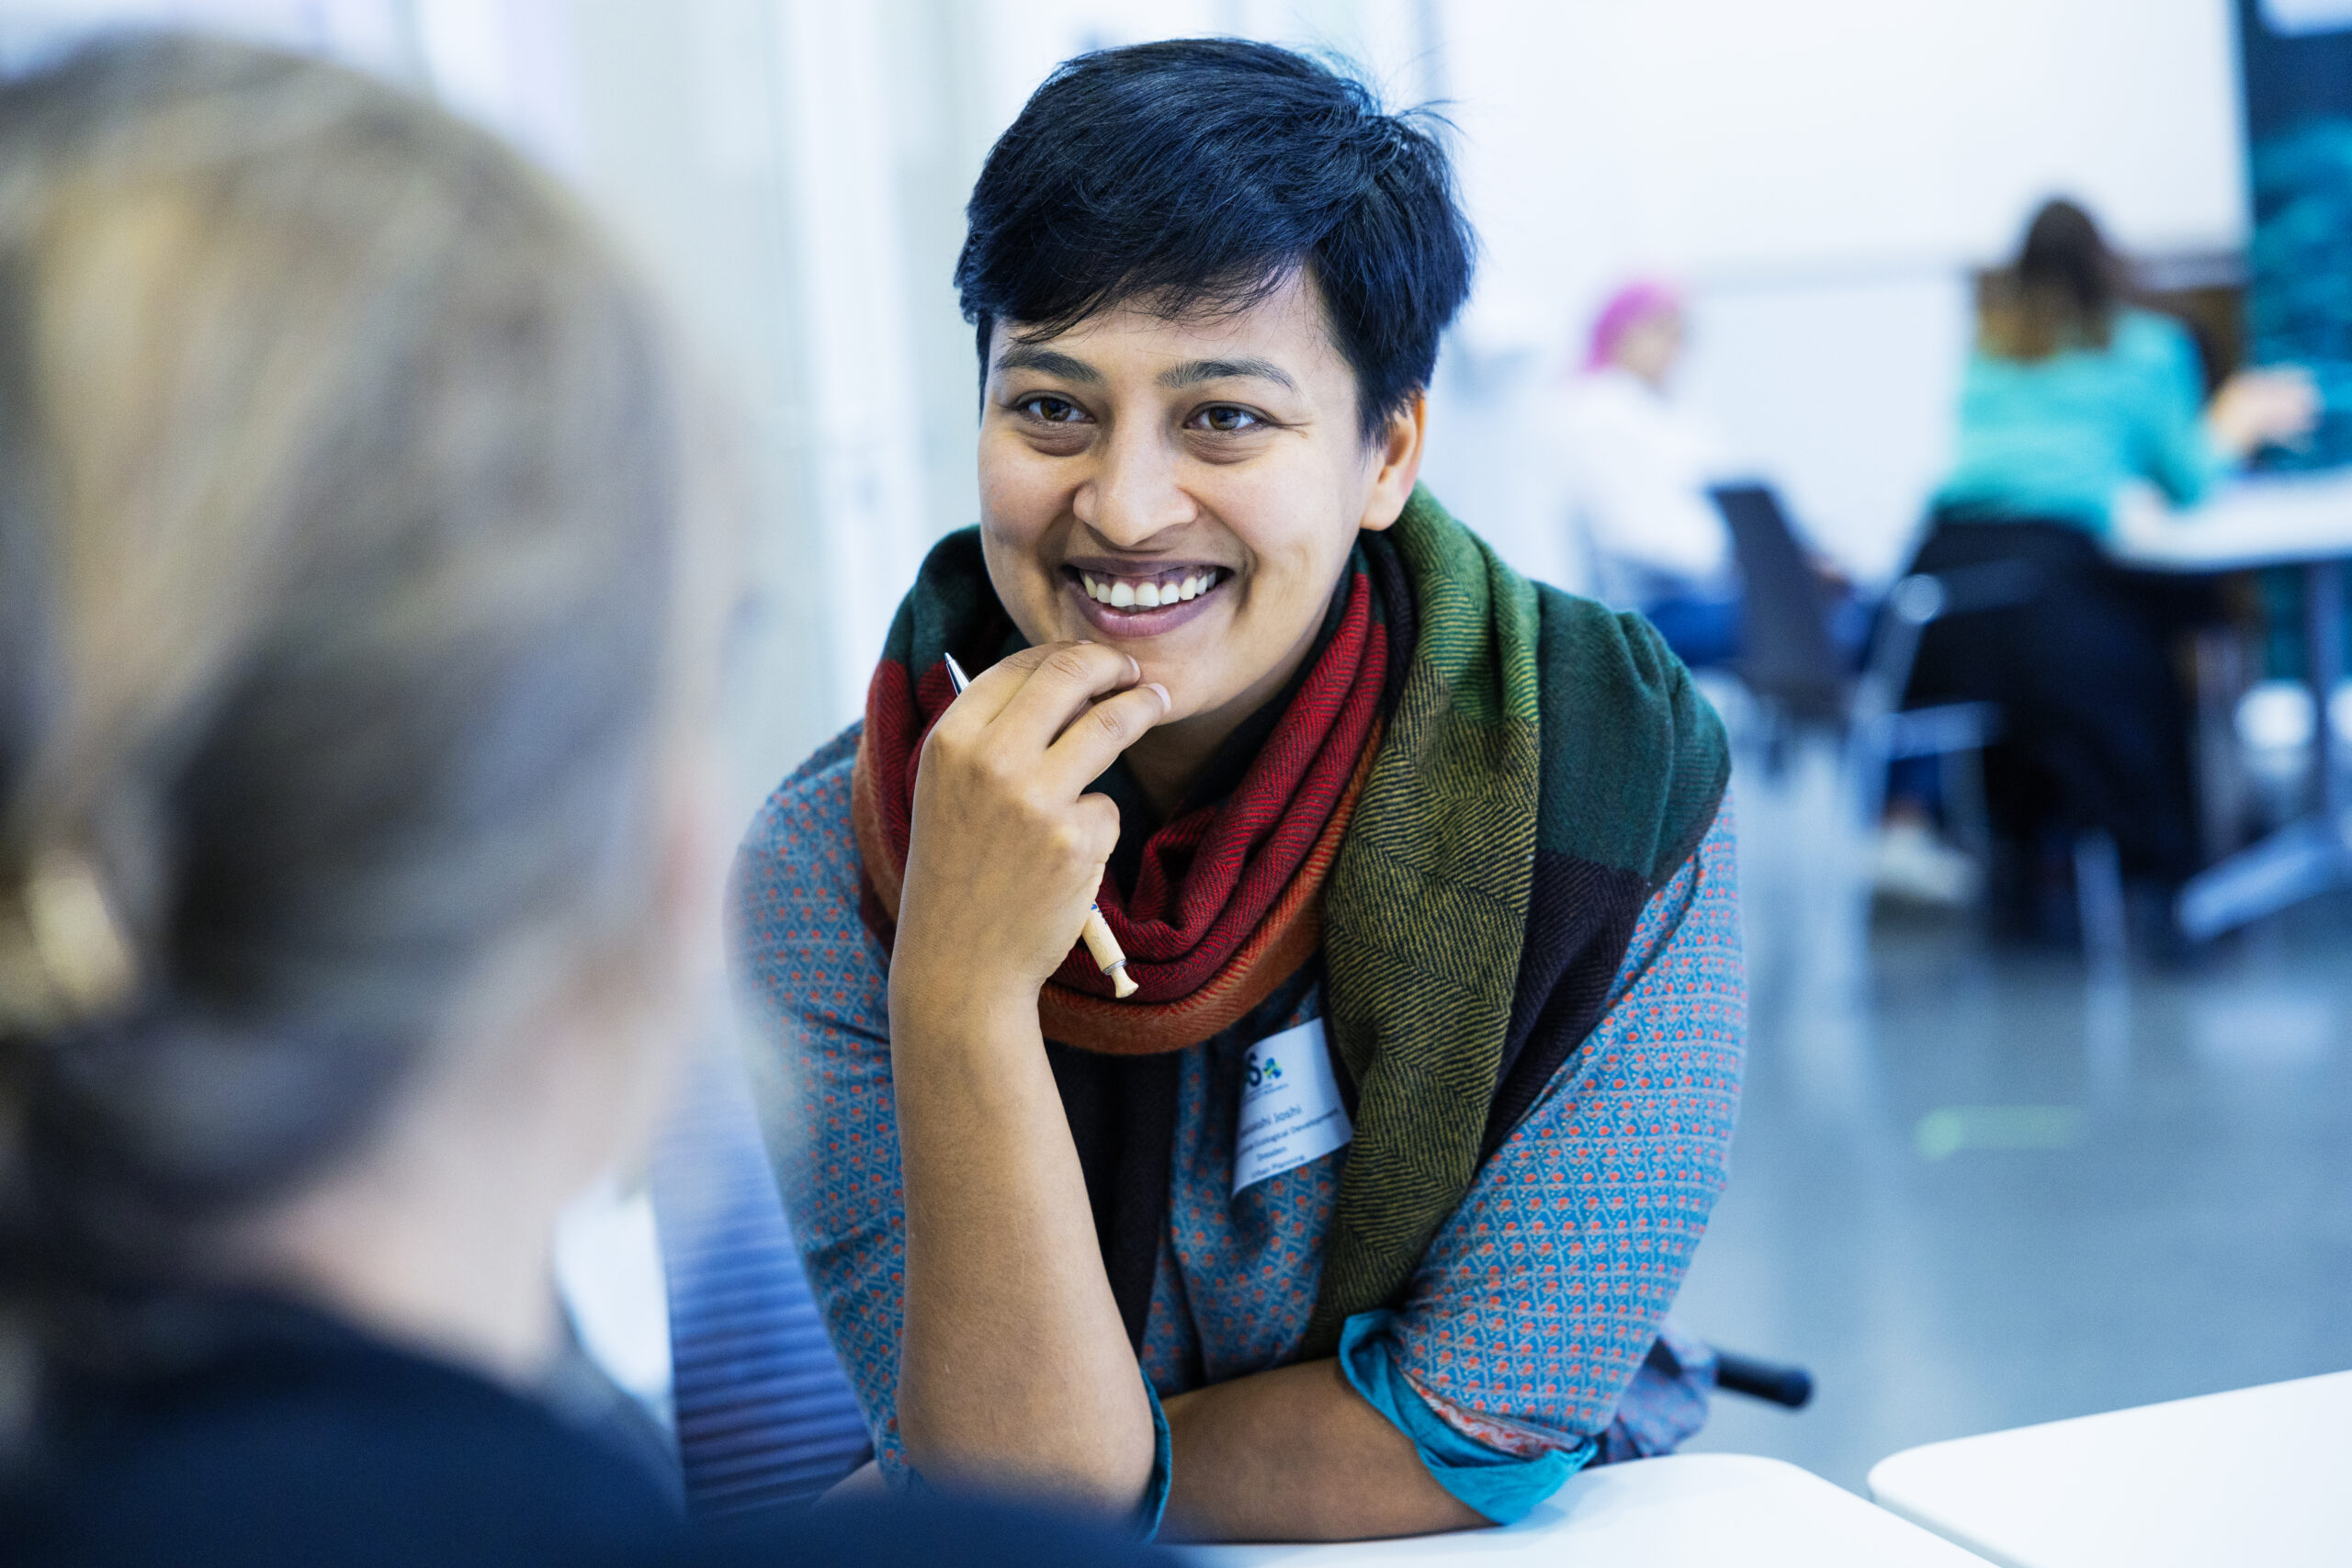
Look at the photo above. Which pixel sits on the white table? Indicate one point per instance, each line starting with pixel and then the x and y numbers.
pixel 2262 1475
pixel 2270 520
pixel 2300 520
pixel 1692 1511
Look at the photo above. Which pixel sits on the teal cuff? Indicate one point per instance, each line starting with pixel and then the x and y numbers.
pixel 1503 1488
pixel 1164 1456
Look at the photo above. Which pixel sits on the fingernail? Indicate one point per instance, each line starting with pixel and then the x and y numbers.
pixel 1134 671
pixel 1166 702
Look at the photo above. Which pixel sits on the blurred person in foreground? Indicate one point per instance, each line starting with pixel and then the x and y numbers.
pixel 2071 394
pixel 358 595
pixel 1362 1217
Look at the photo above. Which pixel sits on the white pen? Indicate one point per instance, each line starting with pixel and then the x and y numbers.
pixel 1096 933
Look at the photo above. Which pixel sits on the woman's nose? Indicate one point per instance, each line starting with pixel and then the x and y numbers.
pixel 1135 494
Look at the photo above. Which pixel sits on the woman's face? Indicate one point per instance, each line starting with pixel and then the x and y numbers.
pixel 1186 490
pixel 1651 345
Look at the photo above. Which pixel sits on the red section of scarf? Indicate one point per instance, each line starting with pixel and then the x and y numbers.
pixel 1210 909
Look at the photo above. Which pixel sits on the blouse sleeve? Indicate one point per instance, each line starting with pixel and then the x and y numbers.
pixel 2178 453
pixel 1542 1297
pixel 818 1013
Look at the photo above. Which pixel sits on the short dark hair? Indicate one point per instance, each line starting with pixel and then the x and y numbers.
pixel 1202 174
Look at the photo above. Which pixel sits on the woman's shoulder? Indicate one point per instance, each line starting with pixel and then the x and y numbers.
pixel 806 823
pixel 2150 337
pixel 317 1445
pixel 1635 757
pixel 794 925
pixel 1616 673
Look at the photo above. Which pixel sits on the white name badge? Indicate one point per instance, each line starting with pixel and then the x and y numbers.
pixel 1290 1106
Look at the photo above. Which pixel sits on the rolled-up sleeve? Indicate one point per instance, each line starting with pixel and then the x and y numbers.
pixel 1544 1294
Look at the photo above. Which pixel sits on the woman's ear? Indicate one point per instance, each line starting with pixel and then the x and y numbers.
pixel 1397 451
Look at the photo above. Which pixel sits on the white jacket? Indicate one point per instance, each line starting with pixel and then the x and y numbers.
pixel 1637 465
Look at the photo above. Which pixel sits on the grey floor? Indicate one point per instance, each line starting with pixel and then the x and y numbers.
pixel 1971 1189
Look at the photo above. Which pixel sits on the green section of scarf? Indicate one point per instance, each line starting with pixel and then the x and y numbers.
pixel 1535 731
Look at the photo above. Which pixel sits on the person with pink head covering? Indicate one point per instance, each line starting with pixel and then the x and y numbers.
pixel 1640 329
pixel 1637 465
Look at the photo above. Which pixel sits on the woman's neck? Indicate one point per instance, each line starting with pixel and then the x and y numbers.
pixel 435 1256
pixel 439 1232
pixel 1167 760
pixel 1171 757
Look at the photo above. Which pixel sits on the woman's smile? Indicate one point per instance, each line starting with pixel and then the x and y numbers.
pixel 1123 600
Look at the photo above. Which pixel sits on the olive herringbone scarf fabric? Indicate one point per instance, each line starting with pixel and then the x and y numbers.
pixel 1547 766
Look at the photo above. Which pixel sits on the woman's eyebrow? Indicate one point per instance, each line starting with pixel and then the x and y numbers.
pixel 1192 372
pixel 1050 361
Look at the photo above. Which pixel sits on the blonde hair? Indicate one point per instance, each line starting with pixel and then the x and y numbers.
pixel 342 500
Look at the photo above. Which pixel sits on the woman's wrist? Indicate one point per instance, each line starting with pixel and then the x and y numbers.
pixel 944 1004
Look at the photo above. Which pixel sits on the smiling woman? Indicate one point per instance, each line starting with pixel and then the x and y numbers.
pixel 1148 453
pixel 1363 1215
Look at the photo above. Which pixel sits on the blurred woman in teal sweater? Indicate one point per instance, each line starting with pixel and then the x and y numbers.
pixel 2071 395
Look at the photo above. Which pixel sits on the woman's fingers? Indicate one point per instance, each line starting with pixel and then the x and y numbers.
pixel 997 686
pixel 1096 737
pixel 1067 675
pixel 1061 680
pixel 1006 851
pixel 2255 408
pixel 1074 702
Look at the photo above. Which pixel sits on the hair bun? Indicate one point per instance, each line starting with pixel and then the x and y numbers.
pixel 64 957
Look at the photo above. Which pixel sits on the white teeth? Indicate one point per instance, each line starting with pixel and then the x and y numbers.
pixel 1122 594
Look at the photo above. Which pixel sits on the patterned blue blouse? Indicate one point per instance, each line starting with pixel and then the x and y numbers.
pixel 1529 1343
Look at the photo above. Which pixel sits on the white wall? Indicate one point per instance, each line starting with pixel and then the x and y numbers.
pixel 1820 173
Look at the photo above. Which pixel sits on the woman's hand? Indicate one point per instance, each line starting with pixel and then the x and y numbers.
pixel 1007 851
pixel 2263 408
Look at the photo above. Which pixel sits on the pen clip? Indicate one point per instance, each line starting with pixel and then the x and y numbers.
pixel 955 676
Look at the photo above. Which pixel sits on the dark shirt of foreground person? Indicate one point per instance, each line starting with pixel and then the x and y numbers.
pixel 289 1438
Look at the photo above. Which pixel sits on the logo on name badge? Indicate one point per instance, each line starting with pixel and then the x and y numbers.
pixel 1291 1111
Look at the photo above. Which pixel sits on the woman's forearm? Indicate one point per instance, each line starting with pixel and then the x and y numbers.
pixel 1296 1454
pixel 1015 1370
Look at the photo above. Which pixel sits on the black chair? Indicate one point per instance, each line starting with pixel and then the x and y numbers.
pixel 1787 655
pixel 1884 732
pixel 1790 664
pixel 1771 1382
pixel 765 1415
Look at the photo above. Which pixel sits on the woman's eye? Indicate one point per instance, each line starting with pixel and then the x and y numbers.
pixel 1227 420
pixel 1052 409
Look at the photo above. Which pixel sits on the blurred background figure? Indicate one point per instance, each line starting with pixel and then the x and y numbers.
pixel 2071 393
pixel 1638 463
pixel 361 581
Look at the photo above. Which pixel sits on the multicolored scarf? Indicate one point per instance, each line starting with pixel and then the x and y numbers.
pixel 1227 903
pixel 1476 786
